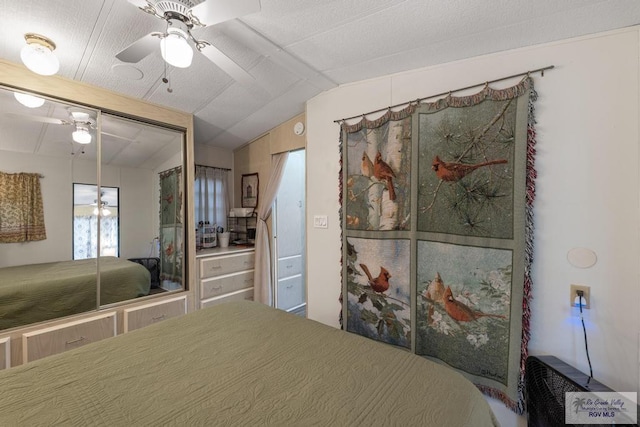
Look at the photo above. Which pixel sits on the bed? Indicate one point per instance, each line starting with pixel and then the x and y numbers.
pixel 239 363
pixel 39 292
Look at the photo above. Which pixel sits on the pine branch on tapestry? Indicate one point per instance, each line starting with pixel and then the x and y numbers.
pixel 466 171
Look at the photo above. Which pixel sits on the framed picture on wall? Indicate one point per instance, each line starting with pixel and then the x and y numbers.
pixel 250 190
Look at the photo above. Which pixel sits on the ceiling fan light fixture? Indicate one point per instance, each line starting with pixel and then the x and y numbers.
pixel 81 135
pixel 175 48
pixel 29 101
pixel 101 212
pixel 37 55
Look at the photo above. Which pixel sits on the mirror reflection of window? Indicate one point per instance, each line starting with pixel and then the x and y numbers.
pixel 87 209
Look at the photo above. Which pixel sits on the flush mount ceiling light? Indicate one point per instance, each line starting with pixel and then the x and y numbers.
pixel 38 55
pixel 174 47
pixel 81 135
pixel 28 100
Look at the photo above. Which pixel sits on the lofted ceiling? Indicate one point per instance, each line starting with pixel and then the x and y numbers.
pixel 294 49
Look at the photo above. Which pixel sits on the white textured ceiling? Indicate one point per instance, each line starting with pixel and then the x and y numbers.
pixel 294 49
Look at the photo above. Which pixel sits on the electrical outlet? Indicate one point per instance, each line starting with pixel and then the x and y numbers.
pixel 586 298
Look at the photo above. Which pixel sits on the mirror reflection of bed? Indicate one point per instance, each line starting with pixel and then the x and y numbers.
pixel 58 276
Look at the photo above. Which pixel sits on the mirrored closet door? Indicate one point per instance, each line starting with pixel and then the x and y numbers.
pixel 82 196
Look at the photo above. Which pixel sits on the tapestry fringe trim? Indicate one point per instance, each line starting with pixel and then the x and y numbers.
pixel 340 190
pixel 486 93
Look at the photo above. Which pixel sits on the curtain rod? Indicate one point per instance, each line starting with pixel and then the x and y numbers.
pixel 540 70
pixel 213 167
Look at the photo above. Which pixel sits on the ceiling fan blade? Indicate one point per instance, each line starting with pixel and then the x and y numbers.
pixel 227 65
pixel 212 12
pixel 40 119
pixel 138 49
pixel 113 135
pixel 139 3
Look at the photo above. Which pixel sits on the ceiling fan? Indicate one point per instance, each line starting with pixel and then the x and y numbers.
pixel 83 122
pixel 181 17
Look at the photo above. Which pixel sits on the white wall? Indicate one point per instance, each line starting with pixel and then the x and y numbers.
pixel 587 189
pixel 136 206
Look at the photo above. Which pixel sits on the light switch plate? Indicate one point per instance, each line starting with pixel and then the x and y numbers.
pixel 320 221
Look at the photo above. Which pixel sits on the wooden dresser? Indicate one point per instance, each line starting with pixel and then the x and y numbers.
pixel 33 342
pixel 225 274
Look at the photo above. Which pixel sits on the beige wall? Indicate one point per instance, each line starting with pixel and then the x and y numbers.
pixel 256 155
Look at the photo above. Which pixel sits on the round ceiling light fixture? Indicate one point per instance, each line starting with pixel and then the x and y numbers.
pixel 29 101
pixel 81 135
pixel 174 47
pixel 38 55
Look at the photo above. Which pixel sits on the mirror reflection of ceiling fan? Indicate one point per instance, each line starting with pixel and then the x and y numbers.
pixel 181 17
pixel 83 122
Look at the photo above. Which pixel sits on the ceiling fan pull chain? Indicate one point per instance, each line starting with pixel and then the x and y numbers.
pixel 166 80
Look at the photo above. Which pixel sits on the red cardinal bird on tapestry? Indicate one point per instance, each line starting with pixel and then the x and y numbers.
pixel 383 172
pixel 378 284
pixel 449 171
pixel 460 312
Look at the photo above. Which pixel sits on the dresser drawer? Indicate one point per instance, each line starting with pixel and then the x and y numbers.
pixel 56 339
pixel 145 315
pixel 221 265
pixel 5 353
pixel 216 286
pixel 246 294
pixel 290 292
pixel 289 266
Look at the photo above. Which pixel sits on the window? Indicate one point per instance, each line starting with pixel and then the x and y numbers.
pixel 211 201
pixel 85 221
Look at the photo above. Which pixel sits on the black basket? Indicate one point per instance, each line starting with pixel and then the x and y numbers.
pixel 153 265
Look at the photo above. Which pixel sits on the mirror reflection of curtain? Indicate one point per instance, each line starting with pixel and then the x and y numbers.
pixel 21 209
pixel 211 197
pixel 171 246
pixel 85 236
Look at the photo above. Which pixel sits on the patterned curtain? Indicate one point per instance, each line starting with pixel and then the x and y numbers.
pixel 171 225
pixel 21 210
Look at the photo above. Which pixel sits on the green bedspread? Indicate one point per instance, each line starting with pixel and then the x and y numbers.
pixel 38 292
pixel 239 364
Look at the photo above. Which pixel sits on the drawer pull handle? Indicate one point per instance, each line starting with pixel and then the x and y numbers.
pixel 248 280
pixel 290 286
pixel 216 267
pixel 217 288
pixel 75 341
pixel 289 266
pixel 247 263
pixel 155 319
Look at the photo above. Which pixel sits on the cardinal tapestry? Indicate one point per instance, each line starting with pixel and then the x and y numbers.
pixel 171 245
pixel 437 232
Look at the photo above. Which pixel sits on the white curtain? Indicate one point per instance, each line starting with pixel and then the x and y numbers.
pixel 262 274
pixel 85 236
pixel 211 198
